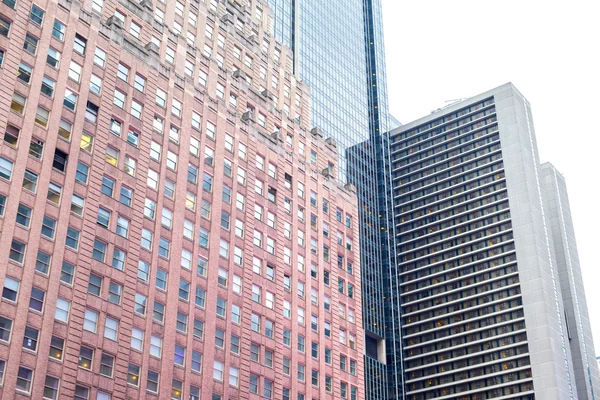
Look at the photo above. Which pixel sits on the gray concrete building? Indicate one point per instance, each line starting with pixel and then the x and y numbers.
pixel 488 283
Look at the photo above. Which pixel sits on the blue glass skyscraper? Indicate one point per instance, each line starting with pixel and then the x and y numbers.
pixel 338 51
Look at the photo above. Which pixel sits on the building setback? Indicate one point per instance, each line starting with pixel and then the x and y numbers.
pixel 338 51
pixel 171 222
pixel 488 281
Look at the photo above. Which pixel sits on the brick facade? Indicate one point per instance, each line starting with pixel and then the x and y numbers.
pixel 140 213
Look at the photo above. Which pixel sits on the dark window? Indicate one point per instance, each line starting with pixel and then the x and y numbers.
pixel 60 160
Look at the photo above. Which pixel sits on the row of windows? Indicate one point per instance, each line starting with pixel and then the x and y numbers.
pixel 460 356
pixel 452 206
pixel 441 295
pixel 451 271
pixel 413 133
pixel 467 325
pixel 456 146
pixel 524 373
pixel 473 122
pixel 456 364
pixel 107 362
pixel 447 230
pixel 483 310
pixel 446 239
pixel 451 168
pixel 505 365
pixel 424 262
pixel 454 157
pixel 483 275
pixel 453 180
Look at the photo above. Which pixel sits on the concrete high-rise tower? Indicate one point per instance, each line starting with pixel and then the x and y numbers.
pixel 487 278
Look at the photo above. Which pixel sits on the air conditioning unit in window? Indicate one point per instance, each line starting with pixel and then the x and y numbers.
pixel 238 73
pixel 276 136
pixel 253 38
pixel 247 116
pixel 327 173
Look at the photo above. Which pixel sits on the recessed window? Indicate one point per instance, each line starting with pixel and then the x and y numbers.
pixel 18 103
pixel 30 44
pixel 58 30
pixel 70 101
pixel 4 25
pixel 48 86
pixel 24 379
pixel 24 73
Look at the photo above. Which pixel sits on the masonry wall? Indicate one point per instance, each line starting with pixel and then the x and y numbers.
pixel 196 207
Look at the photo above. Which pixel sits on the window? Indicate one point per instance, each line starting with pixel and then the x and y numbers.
pixel 218 370
pixel 42 263
pixel 90 321
pixel 58 30
pixel 17 251
pixel 158 312
pixel 181 322
pixel 99 57
pixel 301 372
pixel 97 6
pixel 77 204
pixel 140 304
pixel 179 357
pixel 11 289
pixel 18 103
pixel 119 99
pixel 126 196
pixel 152 381
pixel 5 330
pixel 24 72
pixel 118 260
pixel 169 189
pixel 114 293
pixel 269 328
pixel 42 115
pixel 67 272
pixel 110 329
pixel 91 112
pixel 86 356
pixel 31 43
pixel 136 109
pixel 36 149
pixel 139 83
pixel 24 379
pixel 137 339
pixel 99 252
pixel 75 71
pixel 135 30
pixel 133 374
pixel 184 290
pixel 221 307
pixel 107 363
pixel 95 285
pixel 57 348
pixel 164 247
pixel 81 175
pixel 23 215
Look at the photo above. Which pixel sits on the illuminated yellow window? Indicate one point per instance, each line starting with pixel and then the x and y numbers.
pixel 87 142
pixel 112 156
pixel 18 103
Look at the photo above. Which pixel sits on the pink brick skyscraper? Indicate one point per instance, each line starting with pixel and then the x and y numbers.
pixel 171 223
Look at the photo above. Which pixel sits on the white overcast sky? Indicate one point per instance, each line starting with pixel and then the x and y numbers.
pixel 443 50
